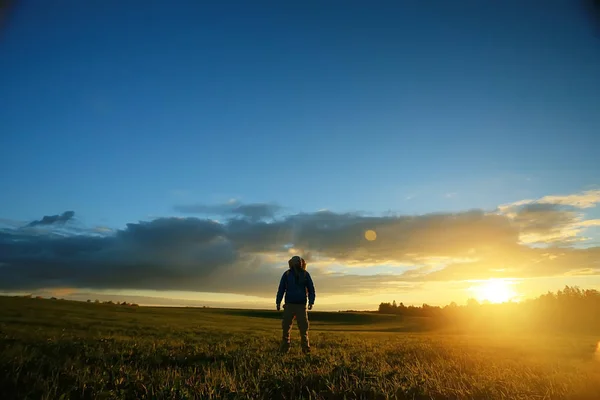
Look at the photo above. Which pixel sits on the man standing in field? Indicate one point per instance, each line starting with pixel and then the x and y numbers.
pixel 298 287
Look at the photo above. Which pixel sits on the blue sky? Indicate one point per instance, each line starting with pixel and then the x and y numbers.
pixel 121 111
pixel 112 108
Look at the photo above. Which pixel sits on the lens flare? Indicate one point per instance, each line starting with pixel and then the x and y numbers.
pixel 370 235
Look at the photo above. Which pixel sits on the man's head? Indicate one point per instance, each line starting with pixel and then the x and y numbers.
pixel 295 262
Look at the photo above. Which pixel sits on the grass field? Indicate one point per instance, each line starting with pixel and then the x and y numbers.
pixel 69 350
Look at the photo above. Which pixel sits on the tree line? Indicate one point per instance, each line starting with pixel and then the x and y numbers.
pixel 571 309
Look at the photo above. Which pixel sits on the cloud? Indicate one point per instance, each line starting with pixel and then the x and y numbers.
pixel 165 254
pixel 547 223
pixel 586 199
pixel 523 262
pixel 54 219
pixel 400 239
pixel 552 219
pixel 102 229
pixel 247 255
pixel 6 223
pixel 240 256
pixel 543 217
pixel 255 211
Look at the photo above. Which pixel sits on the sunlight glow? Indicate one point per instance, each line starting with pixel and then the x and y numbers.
pixel 495 291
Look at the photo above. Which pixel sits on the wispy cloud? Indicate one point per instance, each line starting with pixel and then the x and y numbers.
pixel 586 199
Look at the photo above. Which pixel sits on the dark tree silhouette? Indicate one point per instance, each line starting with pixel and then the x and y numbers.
pixel 569 310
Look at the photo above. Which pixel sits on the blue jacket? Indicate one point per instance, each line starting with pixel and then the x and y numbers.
pixel 296 292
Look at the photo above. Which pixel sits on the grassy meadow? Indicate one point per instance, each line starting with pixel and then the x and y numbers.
pixel 54 349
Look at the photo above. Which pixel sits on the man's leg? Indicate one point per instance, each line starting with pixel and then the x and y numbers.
pixel 303 326
pixel 286 327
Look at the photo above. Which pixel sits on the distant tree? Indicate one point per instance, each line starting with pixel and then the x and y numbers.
pixel 472 302
pixel 571 310
pixel 386 308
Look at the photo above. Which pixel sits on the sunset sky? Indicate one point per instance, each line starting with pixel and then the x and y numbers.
pixel 179 154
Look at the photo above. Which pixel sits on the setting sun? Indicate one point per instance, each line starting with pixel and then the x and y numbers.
pixel 495 291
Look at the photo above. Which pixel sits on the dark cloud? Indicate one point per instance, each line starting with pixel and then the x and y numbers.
pixel 402 238
pixel 247 256
pixel 254 212
pixel 54 219
pixel 399 238
pixel 543 218
pixel 165 254
pixel 555 220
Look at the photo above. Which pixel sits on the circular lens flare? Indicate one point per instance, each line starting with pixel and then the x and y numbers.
pixel 370 235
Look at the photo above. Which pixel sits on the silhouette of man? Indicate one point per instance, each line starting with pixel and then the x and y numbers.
pixel 298 287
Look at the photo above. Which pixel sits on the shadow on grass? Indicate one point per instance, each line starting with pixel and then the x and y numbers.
pixel 342 318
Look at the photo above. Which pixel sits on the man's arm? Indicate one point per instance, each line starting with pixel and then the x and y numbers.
pixel 280 291
pixel 311 290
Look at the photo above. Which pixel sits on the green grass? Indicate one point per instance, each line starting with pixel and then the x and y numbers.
pixel 68 350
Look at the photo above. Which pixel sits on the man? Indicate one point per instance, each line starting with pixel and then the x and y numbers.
pixel 298 287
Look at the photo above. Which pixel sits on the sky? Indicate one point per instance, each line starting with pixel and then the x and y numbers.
pixel 180 153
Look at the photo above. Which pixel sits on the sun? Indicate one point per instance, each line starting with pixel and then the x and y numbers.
pixel 495 291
